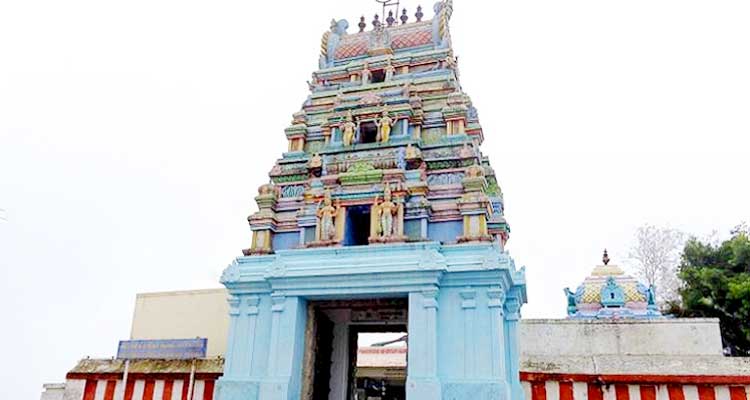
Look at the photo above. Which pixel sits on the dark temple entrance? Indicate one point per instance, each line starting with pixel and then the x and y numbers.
pixel 357 230
pixel 368 132
pixel 356 350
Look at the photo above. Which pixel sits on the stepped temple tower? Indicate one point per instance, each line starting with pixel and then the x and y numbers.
pixel 377 268
pixel 382 216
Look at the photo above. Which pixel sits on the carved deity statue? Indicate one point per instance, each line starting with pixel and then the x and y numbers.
pixel 326 214
pixel 348 128
pixel 385 214
pixel 450 63
pixel 651 297
pixel 316 161
pixel 572 306
pixel 390 71
pixel 365 74
pixel 385 123
pixel 412 152
pixel 474 171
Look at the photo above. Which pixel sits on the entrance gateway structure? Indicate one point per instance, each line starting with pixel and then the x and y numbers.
pixel 382 216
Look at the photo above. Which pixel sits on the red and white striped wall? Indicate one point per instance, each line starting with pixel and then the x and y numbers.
pixel 541 386
pixel 150 387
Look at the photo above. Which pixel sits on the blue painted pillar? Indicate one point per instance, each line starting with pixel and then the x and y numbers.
pixel 422 381
pixel 512 315
pixel 468 307
pixel 234 320
pixel 237 382
pixel 286 349
pixel 496 299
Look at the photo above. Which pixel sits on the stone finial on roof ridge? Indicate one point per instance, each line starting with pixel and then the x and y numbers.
pixel 390 19
pixel 419 14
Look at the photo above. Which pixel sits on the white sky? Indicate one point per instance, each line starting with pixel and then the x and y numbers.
pixel 134 135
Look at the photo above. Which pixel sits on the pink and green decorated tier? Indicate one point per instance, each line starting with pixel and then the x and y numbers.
pixel 385 112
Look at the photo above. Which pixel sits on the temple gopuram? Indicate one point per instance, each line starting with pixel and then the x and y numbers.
pixel 382 216
pixel 377 267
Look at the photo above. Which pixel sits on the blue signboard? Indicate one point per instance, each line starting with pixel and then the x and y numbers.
pixel 162 349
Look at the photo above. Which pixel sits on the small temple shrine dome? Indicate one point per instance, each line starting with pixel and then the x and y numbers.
pixel 609 293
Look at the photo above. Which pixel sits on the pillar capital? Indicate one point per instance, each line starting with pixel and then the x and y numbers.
pixel 278 301
pixel 252 305
pixel 496 297
pixel 468 298
pixel 234 305
pixel 429 298
pixel 513 309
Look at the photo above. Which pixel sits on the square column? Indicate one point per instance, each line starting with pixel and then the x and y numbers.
pixel 472 363
pixel 422 382
pixel 286 349
pixel 513 356
pixel 237 382
pixel 496 298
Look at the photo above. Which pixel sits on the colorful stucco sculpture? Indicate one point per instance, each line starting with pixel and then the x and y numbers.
pixel 608 293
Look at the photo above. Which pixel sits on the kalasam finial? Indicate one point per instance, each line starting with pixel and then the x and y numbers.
pixel 390 20
pixel 404 17
pixel 605 257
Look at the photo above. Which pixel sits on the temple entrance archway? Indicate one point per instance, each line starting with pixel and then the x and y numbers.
pixel 356 349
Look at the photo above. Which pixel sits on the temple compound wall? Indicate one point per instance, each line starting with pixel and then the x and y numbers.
pixel 629 359
pixel 113 379
pixel 560 358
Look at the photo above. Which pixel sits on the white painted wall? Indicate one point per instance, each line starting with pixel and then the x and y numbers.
pixel 74 389
pixel 53 391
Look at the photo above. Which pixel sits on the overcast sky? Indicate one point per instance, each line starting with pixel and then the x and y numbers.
pixel 134 135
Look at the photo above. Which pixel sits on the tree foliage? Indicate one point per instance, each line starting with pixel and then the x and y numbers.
pixel 655 256
pixel 716 283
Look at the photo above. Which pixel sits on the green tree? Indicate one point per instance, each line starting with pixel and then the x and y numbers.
pixel 716 283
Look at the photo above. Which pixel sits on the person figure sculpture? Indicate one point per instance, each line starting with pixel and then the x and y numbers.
pixel 316 161
pixel 366 74
pixel 348 128
pixel 386 211
pixel 390 71
pixel 572 306
pixel 326 214
pixel 651 298
pixel 385 123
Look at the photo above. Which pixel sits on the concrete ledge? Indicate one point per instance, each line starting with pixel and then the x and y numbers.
pixel 579 338
pixel 476 390
pixel 231 389
pixel 707 366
